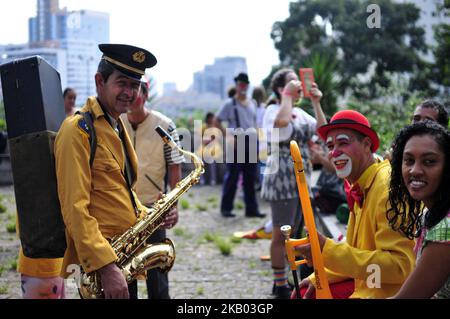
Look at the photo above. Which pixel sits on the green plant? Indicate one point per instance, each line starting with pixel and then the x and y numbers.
pixel 2 116
pixel 212 199
pixel 209 237
pixel 236 240
pixel 266 273
pixel 2 269
pixel 11 227
pixel 201 207
pixel 325 75
pixel 3 290
pixel 200 291
pixel 184 203
pixel 3 208
pixel 179 232
pixel 223 245
pixel 239 205
pixel 13 265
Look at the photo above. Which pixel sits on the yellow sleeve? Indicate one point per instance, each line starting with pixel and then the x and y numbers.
pixel 333 277
pixel 72 152
pixel 393 254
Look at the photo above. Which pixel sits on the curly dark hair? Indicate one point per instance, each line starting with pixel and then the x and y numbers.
pixel 405 213
pixel 279 81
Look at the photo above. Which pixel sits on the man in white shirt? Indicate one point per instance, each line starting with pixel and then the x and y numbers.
pixel 156 161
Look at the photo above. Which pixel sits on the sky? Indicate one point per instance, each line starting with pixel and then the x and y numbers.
pixel 184 35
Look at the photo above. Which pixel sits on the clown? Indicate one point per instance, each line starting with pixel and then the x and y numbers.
pixel 374 260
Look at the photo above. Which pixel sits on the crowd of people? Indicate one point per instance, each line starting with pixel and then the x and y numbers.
pixel 399 214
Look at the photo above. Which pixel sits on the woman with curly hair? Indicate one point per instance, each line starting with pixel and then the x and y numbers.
pixel 420 205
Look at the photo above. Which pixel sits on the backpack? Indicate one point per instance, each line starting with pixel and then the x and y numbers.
pixel 33 102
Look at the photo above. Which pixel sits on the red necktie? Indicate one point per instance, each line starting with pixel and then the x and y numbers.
pixel 354 194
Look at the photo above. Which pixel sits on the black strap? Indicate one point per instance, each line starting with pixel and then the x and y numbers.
pixel 89 119
pixel 129 174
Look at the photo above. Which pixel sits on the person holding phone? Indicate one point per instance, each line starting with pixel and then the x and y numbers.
pixel 279 186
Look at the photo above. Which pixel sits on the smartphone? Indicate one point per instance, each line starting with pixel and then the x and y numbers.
pixel 307 79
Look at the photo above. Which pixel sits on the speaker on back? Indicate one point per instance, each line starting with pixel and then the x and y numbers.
pixel 34 109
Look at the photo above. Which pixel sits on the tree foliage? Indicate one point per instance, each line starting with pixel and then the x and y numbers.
pixel 2 116
pixel 339 29
pixel 387 115
pixel 440 70
pixel 325 76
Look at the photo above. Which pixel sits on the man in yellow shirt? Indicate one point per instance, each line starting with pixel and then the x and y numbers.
pixel 98 201
pixel 374 260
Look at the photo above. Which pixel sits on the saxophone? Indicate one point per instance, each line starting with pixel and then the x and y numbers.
pixel 135 256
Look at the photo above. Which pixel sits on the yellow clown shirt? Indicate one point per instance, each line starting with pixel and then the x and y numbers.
pixel 378 258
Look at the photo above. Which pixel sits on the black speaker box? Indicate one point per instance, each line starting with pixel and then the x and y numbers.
pixel 34 110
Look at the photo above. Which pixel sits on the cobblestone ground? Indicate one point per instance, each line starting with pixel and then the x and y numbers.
pixel 202 238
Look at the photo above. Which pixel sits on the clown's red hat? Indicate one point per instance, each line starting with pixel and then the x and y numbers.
pixel 351 120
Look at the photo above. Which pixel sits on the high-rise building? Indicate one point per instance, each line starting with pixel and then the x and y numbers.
pixel 219 77
pixel 76 32
pixel 83 31
pixel 429 18
pixel 169 88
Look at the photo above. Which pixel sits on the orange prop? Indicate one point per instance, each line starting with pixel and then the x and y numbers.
pixel 322 287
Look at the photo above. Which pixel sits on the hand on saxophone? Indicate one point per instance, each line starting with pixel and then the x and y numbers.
pixel 113 282
pixel 171 218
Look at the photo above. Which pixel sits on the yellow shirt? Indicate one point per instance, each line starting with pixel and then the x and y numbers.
pixel 95 202
pixel 371 243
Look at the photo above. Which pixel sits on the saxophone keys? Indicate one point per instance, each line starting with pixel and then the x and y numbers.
pixel 128 248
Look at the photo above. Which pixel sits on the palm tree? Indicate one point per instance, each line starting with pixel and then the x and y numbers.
pixel 324 67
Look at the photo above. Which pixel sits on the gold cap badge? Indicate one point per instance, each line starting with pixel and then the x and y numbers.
pixel 139 57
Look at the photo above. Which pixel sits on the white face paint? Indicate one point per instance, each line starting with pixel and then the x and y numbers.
pixel 342 163
pixel 343 166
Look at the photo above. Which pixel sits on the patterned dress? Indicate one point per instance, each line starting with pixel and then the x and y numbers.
pixel 438 234
pixel 279 181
